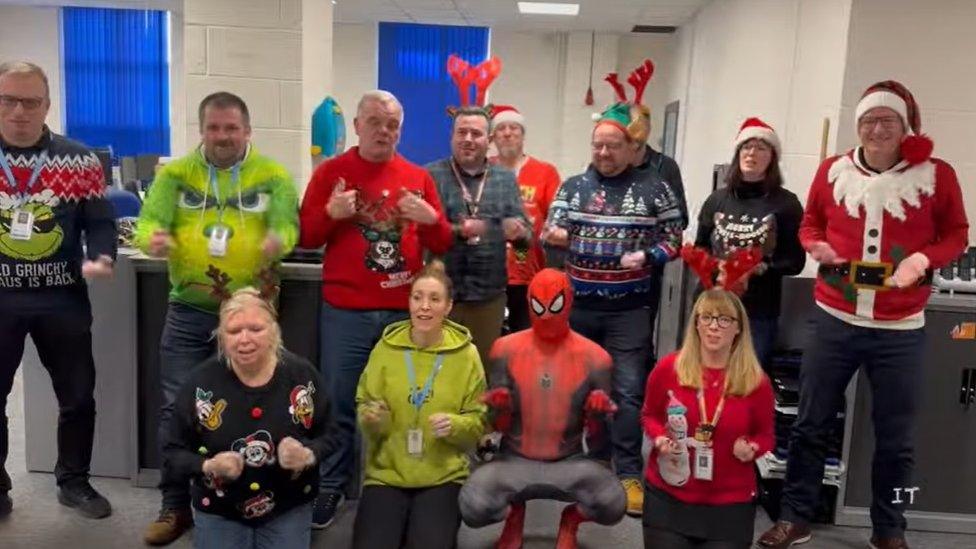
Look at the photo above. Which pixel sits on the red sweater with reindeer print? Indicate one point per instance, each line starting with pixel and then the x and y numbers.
pixel 371 258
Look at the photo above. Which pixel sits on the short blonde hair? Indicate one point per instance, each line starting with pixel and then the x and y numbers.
pixel 26 68
pixel 743 373
pixel 242 299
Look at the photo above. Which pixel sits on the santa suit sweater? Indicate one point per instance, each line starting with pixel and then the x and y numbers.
pixel 883 217
pixel 370 259
pixel 43 273
pixel 749 416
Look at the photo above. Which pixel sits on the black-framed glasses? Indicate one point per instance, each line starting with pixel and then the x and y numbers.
pixel 887 122
pixel 723 321
pixel 29 103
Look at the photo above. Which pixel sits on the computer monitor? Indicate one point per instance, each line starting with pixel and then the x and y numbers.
pixel 104 155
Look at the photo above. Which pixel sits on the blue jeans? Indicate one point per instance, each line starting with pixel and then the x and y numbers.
pixel 764 332
pixel 291 530
pixel 626 335
pixel 347 337
pixel 187 341
pixel 892 360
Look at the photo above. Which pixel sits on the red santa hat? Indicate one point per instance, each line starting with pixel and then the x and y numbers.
pixel 915 147
pixel 506 113
pixel 754 128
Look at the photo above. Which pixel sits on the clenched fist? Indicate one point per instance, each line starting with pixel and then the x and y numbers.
pixel 294 456
pixel 225 465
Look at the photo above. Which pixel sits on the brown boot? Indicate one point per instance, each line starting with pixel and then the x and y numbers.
pixel 784 534
pixel 169 526
pixel 888 543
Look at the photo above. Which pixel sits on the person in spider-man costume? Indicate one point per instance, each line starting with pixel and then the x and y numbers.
pixel 549 389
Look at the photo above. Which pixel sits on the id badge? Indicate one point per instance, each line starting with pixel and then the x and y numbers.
pixel 217 245
pixel 415 442
pixel 704 462
pixel 22 225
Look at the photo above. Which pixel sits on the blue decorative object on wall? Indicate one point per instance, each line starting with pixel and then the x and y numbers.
pixel 116 79
pixel 412 66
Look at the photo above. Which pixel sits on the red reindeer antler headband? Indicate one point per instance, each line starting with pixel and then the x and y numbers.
pixel 481 75
pixel 734 271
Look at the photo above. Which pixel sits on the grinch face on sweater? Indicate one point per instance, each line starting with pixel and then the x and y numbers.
pixel 46 234
pixel 240 214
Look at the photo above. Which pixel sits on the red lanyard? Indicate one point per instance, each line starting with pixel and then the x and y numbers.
pixel 706 428
pixel 471 203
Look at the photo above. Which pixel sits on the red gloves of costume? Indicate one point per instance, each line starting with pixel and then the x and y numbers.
pixel 598 402
pixel 597 405
pixel 499 400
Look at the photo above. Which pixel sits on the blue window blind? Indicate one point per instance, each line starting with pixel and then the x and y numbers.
pixel 413 66
pixel 116 79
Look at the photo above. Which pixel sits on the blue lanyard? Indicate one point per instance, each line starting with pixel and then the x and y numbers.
pixel 12 181
pixel 235 176
pixel 418 398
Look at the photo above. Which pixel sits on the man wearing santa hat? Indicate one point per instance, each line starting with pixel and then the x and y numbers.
pixel 878 219
pixel 538 182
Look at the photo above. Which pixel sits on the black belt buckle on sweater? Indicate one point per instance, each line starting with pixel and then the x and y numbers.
pixel 868 275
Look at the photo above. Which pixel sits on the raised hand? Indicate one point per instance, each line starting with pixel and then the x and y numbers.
pixel 342 203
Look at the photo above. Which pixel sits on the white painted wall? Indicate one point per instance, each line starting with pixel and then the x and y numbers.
pixel 33 34
pixel 780 60
pixel 926 46
pixel 354 69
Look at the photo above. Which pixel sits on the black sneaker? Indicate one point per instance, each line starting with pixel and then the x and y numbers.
pixel 6 504
pixel 325 509
pixel 84 498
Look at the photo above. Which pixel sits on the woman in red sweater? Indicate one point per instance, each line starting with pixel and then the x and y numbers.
pixel 709 411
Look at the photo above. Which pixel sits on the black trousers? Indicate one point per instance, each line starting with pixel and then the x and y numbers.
pixel 411 518
pixel 657 538
pixel 518 308
pixel 64 344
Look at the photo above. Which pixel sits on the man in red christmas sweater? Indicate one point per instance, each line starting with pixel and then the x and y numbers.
pixel 550 385
pixel 375 212
pixel 538 182
pixel 878 219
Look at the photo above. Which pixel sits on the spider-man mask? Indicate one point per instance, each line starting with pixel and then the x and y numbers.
pixel 550 299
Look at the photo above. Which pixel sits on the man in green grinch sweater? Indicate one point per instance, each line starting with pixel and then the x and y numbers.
pixel 224 216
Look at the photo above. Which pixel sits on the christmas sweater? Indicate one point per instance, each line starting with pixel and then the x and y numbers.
pixel 538 182
pixel 214 412
pixel 607 217
pixel 751 218
pixel 883 218
pixel 256 198
pixel 69 208
pixel 456 391
pixel 750 416
pixel 370 259
pixel 665 167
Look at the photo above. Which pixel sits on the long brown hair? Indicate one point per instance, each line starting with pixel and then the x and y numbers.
pixel 743 373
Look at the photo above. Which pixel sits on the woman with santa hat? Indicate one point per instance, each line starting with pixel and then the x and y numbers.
pixel 753 210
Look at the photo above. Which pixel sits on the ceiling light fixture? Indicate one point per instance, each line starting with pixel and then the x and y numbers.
pixel 547 8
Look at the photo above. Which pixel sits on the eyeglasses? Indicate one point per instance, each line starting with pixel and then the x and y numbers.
pixel 757 147
pixel 29 103
pixel 723 321
pixel 887 122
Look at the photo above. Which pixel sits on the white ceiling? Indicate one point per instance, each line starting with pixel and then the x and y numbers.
pixel 600 15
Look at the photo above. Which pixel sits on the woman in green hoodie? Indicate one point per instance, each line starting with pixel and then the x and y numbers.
pixel 419 408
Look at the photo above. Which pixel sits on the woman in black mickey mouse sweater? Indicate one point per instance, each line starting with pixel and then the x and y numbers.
pixel 249 428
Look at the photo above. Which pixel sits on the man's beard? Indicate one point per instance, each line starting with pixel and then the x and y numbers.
pixel 508 151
